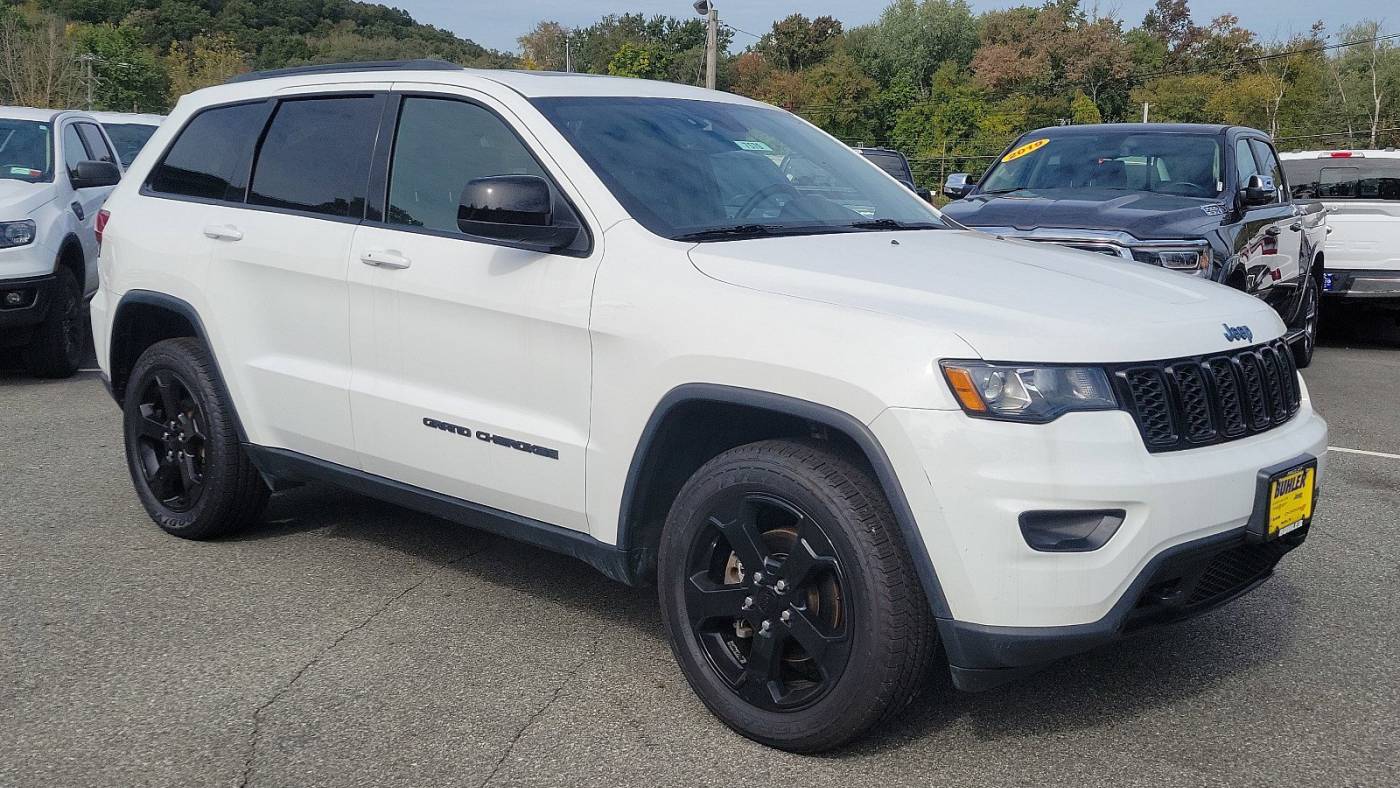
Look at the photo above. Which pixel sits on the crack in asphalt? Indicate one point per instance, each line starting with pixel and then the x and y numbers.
pixel 510 746
pixel 254 735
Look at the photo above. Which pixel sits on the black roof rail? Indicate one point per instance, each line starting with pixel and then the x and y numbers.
pixel 344 68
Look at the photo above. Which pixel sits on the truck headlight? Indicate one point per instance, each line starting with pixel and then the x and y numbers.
pixel 1030 393
pixel 16 233
pixel 1194 259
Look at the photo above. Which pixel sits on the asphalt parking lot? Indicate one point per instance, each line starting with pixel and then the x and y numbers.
pixel 346 642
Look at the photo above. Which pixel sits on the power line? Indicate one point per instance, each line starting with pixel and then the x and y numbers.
pixel 737 30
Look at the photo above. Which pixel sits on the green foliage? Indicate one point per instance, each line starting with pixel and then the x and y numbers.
pixel 1083 109
pixel 797 42
pixel 632 60
pixel 912 37
pixel 127 76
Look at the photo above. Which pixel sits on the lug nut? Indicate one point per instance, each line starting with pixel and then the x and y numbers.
pixel 748 602
pixel 758 577
pixel 781 586
pixel 786 616
pixel 765 626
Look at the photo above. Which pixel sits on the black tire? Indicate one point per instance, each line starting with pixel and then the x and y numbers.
pixel 56 349
pixel 1309 320
pixel 182 446
pixel 874 632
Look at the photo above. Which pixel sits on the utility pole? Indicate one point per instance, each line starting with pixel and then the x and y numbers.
pixel 1144 111
pixel 568 55
pixel 706 8
pixel 86 60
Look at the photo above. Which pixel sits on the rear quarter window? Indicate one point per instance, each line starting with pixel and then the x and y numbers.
pixel 208 159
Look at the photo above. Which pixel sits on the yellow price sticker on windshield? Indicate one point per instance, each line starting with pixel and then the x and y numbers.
pixel 1027 149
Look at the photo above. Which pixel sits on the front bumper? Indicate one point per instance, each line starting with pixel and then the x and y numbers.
pixel 1376 288
pixel 1005 609
pixel 35 293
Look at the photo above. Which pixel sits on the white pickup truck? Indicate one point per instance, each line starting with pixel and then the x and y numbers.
pixel 1361 190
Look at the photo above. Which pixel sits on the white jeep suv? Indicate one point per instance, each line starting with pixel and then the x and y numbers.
pixel 594 315
pixel 56 168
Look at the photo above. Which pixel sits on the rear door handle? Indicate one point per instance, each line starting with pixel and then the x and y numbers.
pixel 1273 230
pixel 223 232
pixel 385 258
pixel 1296 227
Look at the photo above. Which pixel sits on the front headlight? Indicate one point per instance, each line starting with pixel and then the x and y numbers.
pixel 1194 259
pixel 16 233
pixel 1023 392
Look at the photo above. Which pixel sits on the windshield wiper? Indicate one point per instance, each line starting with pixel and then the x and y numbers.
pixel 894 224
pixel 1005 191
pixel 740 231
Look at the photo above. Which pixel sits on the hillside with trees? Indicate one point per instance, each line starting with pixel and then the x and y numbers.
pixel 948 86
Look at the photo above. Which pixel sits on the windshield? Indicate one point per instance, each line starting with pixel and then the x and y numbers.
pixel 26 150
pixel 1167 163
pixel 700 170
pixel 128 138
pixel 1344 179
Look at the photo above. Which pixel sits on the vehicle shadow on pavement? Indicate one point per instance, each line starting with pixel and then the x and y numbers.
pixel 517 568
pixel 1359 329
pixel 1119 681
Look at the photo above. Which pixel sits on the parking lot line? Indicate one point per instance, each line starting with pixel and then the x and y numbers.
pixel 1367 453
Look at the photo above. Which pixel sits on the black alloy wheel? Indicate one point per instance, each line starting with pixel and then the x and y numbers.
pixel 765 598
pixel 183 448
pixel 170 440
pixel 1311 309
pixel 789 598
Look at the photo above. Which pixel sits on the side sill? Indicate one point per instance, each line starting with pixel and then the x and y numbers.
pixel 281 466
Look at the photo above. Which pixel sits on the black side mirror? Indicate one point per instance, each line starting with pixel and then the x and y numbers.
pixel 515 209
pixel 924 194
pixel 958 185
pixel 91 174
pixel 1255 193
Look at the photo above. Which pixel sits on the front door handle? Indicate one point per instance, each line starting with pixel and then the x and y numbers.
pixel 223 232
pixel 1273 230
pixel 385 258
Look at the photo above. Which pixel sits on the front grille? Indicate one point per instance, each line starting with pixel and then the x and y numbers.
pixel 1234 569
pixel 1200 578
pixel 1184 403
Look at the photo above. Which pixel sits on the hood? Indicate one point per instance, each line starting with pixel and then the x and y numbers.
pixel 1144 214
pixel 18 199
pixel 1009 300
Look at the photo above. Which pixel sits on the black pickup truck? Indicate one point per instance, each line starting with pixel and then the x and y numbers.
pixel 1209 201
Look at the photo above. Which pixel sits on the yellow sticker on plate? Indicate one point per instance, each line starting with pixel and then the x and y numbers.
pixel 1290 500
pixel 1027 149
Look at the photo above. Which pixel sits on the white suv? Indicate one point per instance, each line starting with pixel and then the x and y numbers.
pixel 593 315
pixel 56 169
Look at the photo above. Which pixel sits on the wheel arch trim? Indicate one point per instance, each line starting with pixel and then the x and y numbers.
pixel 629 515
pixel 179 307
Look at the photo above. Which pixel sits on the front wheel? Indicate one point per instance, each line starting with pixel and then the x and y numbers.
pixel 57 347
pixel 789 598
pixel 182 446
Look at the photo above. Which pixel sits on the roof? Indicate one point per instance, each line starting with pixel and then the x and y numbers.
pixel 29 113
pixel 530 84
pixel 143 119
pixel 1159 128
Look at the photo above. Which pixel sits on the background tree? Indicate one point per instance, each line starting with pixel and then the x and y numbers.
pixel 37 65
pixel 797 42
pixel 204 61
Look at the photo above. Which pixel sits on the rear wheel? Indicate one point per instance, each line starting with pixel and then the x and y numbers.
pixel 1311 309
pixel 790 601
pixel 182 447
pixel 56 349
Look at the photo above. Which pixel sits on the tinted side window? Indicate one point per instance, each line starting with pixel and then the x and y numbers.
pixel 96 145
pixel 129 138
pixel 73 150
pixel 209 158
pixel 315 156
pixel 441 144
pixel 1268 162
pixel 1245 165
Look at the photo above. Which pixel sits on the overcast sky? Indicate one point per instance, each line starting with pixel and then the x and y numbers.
pixel 497 24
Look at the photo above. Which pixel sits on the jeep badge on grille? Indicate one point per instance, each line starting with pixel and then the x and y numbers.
pixel 1237 333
